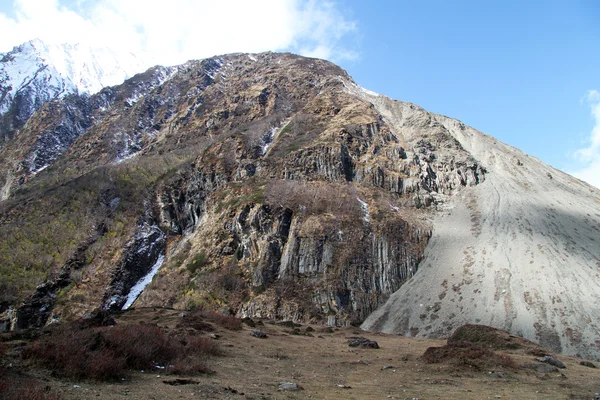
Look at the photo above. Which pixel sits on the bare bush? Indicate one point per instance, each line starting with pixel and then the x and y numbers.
pixel 105 353
pixel 25 390
pixel 225 321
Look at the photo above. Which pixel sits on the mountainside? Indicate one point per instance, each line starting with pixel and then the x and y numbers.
pixel 519 251
pixel 272 186
pixel 34 73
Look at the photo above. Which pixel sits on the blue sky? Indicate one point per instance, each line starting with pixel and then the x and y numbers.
pixel 525 72
pixel 519 71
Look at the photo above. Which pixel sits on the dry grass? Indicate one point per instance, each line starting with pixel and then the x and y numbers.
pixel 226 321
pixel 30 390
pixel 323 364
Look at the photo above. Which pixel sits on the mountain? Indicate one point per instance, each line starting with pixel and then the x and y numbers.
pixel 34 73
pixel 518 251
pixel 271 185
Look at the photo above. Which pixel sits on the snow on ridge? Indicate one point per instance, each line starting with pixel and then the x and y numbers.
pixel 357 90
pixel 57 70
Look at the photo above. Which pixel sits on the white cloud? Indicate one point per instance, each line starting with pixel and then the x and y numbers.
pixel 174 31
pixel 589 156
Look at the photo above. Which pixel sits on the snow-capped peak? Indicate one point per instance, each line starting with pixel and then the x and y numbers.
pixel 41 72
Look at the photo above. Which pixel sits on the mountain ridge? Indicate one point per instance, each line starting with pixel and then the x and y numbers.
pixel 278 188
pixel 35 72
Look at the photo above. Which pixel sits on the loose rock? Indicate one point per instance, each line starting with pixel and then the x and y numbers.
pixel 587 364
pixel 283 386
pixel 359 341
pixel 259 334
pixel 543 368
pixel 552 361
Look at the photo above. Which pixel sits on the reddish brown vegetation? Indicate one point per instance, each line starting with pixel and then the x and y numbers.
pixel 104 353
pixel 30 390
pixel 224 321
pixel 466 354
pixel 11 389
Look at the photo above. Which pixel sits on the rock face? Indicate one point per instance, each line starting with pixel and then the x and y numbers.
pixel 273 186
pixel 518 252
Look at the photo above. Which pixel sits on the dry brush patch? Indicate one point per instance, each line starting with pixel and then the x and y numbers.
pixel 225 321
pixel 25 390
pixel 468 355
pixel 107 353
pixel 15 388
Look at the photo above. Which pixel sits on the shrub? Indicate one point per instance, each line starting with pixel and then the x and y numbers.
pixel 466 354
pixel 197 262
pixel 485 336
pixel 140 345
pixel 104 353
pixel 225 321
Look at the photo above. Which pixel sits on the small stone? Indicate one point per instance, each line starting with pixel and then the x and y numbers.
pixel 498 374
pixel 552 361
pixel 587 364
pixel 359 341
pixel 387 367
pixel 283 386
pixel 543 368
pixel 259 334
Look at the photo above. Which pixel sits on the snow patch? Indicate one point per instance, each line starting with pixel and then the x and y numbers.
pixel 267 140
pixel 357 90
pixel 365 208
pixel 133 99
pixel 139 287
pixel 129 148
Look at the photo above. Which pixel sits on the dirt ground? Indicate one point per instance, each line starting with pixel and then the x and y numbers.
pixel 325 367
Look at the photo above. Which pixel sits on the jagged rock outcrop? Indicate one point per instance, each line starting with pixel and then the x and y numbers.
pixel 273 186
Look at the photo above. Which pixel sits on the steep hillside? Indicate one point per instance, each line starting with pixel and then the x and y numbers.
pixel 272 186
pixel 520 251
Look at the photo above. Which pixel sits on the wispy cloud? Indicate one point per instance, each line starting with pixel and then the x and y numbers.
pixel 589 156
pixel 174 31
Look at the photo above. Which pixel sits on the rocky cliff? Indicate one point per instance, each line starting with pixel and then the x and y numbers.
pixel 266 185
